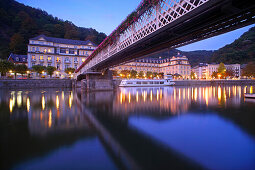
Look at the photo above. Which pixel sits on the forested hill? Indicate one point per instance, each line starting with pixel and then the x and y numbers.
pixel 18 23
pixel 242 50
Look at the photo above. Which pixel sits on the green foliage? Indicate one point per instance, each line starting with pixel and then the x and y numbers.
pixel 192 75
pixel 249 70
pixel 20 22
pixel 133 74
pixel 240 51
pixel 149 74
pixel 141 74
pixel 38 69
pixel 221 69
pixel 69 70
pixel 5 66
pixel 20 68
pixel 124 73
pixel 161 75
pixel 50 70
pixel 214 75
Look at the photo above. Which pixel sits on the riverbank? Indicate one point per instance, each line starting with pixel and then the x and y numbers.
pixel 36 83
pixel 213 82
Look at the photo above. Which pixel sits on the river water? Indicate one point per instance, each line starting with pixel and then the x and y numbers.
pixel 208 127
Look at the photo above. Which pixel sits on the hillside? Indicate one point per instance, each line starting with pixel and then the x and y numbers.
pixel 18 23
pixel 242 50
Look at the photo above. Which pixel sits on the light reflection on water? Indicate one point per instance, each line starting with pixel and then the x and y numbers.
pixel 54 117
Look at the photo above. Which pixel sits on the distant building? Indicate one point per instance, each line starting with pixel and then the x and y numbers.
pixel 176 65
pixel 205 71
pixel 18 59
pixel 58 52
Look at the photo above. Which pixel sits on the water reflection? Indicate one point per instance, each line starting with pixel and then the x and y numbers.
pixel 176 126
pixel 177 100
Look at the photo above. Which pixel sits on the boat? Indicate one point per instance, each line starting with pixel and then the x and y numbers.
pixel 168 81
pixel 249 95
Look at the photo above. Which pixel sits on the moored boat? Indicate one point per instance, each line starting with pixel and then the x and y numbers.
pixel 168 81
pixel 249 95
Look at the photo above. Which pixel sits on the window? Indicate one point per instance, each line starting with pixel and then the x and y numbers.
pixel 83 59
pixel 45 50
pixel 41 57
pixel 17 58
pixel 49 58
pixel 58 59
pixel 63 50
pixel 49 50
pixel 37 49
pixel 33 49
pixel 71 51
pixel 33 57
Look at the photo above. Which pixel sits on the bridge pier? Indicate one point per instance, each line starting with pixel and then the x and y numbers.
pixel 97 81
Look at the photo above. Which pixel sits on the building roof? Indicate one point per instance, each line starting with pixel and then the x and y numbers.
pixel 16 58
pixel 63 41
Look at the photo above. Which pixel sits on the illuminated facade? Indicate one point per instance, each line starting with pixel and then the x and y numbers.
pixel 58 52
pixel 176 65
pixel 205 71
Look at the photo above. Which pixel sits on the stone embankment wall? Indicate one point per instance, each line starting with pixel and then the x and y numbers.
pixel 213 82
pixel 36 83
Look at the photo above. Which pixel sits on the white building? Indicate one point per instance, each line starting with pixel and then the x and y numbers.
pixel 205 71
pixel 58 52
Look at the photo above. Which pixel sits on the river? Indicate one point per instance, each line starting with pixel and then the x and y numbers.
pixel 201 127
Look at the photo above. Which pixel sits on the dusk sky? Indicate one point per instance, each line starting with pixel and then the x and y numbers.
pixel 106 15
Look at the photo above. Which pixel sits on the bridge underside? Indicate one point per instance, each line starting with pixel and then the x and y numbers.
pixel 211 19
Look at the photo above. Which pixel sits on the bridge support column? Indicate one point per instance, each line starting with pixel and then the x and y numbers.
pixel 96 81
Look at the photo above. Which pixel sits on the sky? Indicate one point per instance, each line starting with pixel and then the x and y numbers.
pixel 106 15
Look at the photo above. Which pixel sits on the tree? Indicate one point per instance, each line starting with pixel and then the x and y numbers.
pixel 17 44
pixel 192 75
pixel 141 74
pixel 69 70
pixel 5 66
pixel 249 70
pixel 21 69
pixel 50 70
pixel 38 69
pixel 214 75
pixel 124 73
pixel 149 74
pixel 155 74
pixel 221 70
pixel 161 75
pixel 230 73
pixel 114 73
pixel 133 74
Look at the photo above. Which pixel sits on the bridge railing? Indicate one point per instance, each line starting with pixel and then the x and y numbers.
pixel 153 19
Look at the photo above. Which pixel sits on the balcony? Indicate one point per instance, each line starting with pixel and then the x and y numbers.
pixel 33 60
pixel 41 60
pixel 67 61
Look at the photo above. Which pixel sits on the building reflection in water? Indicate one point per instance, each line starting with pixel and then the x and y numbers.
pixel 46 111
pixel 175 100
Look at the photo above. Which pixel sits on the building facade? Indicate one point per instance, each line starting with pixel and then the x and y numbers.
pixel 205 71
pixel 18 59
pixel 58 52
pixel 176 65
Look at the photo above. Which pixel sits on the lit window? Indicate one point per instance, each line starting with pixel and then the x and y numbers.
pixel 49 58
pixel 41 57
pixel 58 59
pixel 49 50
pixel 45 50
pixel 33 57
